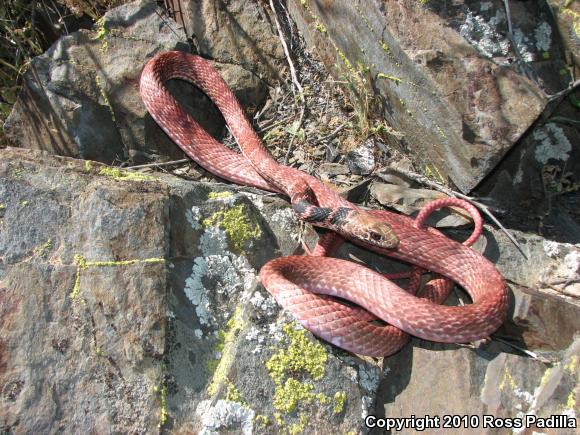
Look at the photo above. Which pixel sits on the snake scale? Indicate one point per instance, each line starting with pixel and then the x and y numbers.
pixel 314 287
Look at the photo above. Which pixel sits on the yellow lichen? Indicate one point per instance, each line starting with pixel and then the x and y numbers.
pixel 17 173
pixel 219 195
pixel 545 377
pixel 507 380
pixel 233 395
pixel 575 19
pixel 88 165
pixel 571 366
pixel 101 34
pixel 105 97
pixel 120 174
pixel 339 401
pixel 226 349
pixel 43 250
pixel 320 27
pixel 571 401
pixel 302 355
pixel 296 428
pixel 236 225
pixel 82 264
pixel 433 173
pixel 164 415
pixel 262 420
pixel 290 393
pixel 389 77
pixel 385 47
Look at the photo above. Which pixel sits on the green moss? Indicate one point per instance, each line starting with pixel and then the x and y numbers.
pixel 339 401
pixel 226 348
pixel 236 224
pixel 120 174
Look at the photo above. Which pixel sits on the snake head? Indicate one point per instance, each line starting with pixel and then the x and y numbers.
pixel 371 229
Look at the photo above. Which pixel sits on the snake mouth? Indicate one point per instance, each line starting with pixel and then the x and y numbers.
pixel 371 230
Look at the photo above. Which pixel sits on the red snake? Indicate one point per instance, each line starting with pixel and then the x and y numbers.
pixel 307 285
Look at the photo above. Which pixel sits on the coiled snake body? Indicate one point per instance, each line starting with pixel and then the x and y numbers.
pixel 305 285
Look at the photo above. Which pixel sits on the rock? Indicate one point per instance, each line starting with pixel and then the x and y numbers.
pixel 535 188
pixel 543 264
pixel 404 199
pixel 240 32
pixel 459 97
pixel 567 15
pixel 361 160
pixel 131 302
pixel 83 284
pixel 81 97
pixel 499 385
pixel 333 169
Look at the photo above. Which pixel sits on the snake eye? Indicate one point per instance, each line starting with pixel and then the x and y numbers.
pixel 375 236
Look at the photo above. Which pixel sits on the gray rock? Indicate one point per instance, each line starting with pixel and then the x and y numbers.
pixel 480 382
pixel 443 73
pixel 536 186
pixel 241 32
pixel 333 169
pixel 566 16
pixel 361 160
pixel 131 302
pixel 83 284
pixel 81 97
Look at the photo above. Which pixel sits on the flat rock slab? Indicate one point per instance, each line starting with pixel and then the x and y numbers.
pixel 131 303
pixel 82 298
pixel 446 73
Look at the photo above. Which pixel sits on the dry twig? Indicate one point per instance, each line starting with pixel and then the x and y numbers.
pixel 161 164
pixel 294 81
